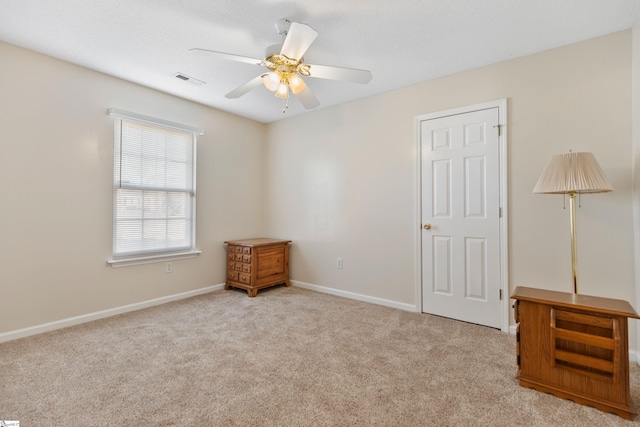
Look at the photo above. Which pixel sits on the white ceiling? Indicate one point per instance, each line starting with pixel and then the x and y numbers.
pixel 402 42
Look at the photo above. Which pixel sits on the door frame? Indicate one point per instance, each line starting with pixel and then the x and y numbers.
pixel 501 104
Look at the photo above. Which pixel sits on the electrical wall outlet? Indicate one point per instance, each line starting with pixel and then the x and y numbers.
pixel 339 263
pixel 168 267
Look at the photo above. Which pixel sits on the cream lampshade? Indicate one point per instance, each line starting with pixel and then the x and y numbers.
pixel 573 173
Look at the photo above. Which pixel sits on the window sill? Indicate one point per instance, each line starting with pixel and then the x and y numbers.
pixel 125 262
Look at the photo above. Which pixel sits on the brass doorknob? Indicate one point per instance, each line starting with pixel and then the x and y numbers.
pixel 427 226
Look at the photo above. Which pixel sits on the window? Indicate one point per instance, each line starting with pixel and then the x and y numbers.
pixel 154 190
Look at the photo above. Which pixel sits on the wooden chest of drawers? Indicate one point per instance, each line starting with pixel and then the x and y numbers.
pixel 254 264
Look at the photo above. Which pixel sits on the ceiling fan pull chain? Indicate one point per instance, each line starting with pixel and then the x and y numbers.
pixel 286 105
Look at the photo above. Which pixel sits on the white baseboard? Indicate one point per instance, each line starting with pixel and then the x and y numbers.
pixel 71 321
pixel 354 296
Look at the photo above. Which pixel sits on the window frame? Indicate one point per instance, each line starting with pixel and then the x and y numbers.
pixel 167 254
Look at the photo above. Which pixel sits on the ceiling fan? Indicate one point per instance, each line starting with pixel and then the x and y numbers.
pixel 286 66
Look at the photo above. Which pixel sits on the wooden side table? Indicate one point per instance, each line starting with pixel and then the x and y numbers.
pixel 575 347
pixel 254 264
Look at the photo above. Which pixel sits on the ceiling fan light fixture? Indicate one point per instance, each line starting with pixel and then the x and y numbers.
pixel 295 83
pixel 283 91
pixel 272 80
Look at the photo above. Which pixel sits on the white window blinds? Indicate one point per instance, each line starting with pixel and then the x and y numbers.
pixel 154 184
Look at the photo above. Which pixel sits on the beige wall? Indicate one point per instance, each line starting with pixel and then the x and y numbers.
pixel 56 166
pixel 340 181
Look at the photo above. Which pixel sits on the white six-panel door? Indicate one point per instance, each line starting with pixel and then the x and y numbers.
pixel 461 212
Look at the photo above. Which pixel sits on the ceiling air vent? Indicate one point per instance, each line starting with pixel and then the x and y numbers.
pixel 186 78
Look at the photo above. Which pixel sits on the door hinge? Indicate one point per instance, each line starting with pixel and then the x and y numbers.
pixel 499 129
pixel 499 212
pixel 500 294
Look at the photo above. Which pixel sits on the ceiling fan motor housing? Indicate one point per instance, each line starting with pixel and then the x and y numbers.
pixel 274 60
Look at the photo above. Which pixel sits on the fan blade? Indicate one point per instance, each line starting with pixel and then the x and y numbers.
pixel 226 56
pixel 307 98
pixel 339 73
pixel 299 38
pixel 251 84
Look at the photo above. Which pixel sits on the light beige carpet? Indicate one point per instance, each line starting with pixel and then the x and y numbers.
pixel 289 357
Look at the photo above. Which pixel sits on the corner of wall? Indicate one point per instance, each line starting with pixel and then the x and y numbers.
pixel 635 147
